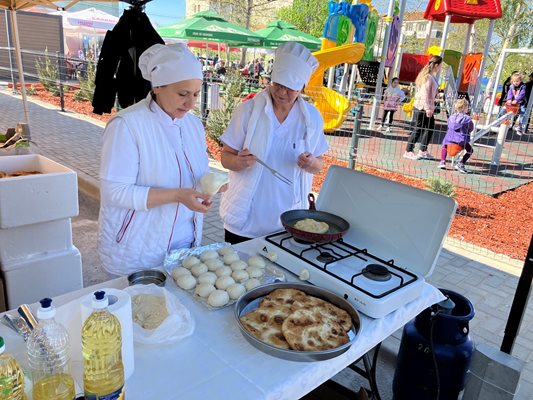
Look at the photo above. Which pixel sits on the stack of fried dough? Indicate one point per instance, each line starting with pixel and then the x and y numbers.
pixel 17 173
pixel 290 319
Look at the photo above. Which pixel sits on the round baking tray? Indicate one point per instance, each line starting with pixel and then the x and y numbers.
pixel 147 276
pixel 250 301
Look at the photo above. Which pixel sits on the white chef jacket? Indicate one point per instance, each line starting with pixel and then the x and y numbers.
pixel 273 197
pixel 144 147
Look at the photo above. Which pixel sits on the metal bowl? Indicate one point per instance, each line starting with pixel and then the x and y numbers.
pixel 250 301
pixel 147 276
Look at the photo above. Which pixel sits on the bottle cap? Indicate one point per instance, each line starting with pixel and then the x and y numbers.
pixel 100 300
pixel 47 310
pixel 2 345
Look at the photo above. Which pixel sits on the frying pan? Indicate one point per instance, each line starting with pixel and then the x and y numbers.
pixel 337 225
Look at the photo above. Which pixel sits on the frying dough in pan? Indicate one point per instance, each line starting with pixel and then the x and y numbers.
pixel 311 225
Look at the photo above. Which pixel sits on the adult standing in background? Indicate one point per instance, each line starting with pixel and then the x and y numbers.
pixel 424 108
pixel 153 156
pixel 280 128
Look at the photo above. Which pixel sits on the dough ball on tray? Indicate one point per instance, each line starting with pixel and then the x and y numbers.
pixel 179 271
pixel 251 283
pixel 238 265
pixel 198 269
pixel 204 289
pixel 226 250
pixel 186 282
pixel 257 261
pixel 235 291
pixel 231 258
pixel 208 255
pixel 214 263
pixel 223 271
pixel 240 275
pixel 223 282
pixel 218 298
pixel 207 277
pixel 188 262
pixel 255 272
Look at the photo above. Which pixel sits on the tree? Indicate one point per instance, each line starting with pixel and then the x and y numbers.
pixel 308 15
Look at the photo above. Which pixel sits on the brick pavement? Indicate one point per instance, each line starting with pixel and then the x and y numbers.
pixel 75 142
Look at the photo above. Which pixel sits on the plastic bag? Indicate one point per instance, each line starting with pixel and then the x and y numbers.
pixel 178 325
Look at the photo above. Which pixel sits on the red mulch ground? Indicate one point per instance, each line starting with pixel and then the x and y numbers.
pixel 502 224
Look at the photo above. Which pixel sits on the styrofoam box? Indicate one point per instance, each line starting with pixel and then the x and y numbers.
pixel 31 199
pixel 46 276
pixel 31 240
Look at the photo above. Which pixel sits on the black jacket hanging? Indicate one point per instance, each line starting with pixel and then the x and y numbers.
pixel 117 71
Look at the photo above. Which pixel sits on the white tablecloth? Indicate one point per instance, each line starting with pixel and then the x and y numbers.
pixel 216 362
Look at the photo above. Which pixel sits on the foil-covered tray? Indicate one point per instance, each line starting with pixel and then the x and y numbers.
pixel 250 301
pixel 173 259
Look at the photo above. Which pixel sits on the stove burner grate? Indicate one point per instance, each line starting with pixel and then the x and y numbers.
pixel 376 272
pixel 325 257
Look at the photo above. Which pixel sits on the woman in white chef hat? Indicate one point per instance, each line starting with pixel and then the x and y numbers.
pixel 153 156
pixel 281 129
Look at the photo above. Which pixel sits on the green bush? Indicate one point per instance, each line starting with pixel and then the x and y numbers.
pixel 48 73
pixel 31 90
pixel 218 120
pixel 441 186
pixel 87 85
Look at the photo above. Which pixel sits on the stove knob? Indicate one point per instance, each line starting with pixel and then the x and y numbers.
pixel 304 274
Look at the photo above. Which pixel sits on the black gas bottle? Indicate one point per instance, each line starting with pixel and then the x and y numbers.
pixel 436 340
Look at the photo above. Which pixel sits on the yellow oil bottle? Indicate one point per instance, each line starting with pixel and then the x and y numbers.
pixel 11 376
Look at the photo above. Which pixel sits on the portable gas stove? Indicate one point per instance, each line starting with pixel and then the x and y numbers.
pixel 395 236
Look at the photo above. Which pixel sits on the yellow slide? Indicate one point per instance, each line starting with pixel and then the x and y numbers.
pixel 332 105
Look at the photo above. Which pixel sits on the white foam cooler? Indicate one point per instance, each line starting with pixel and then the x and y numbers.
pixel 47 275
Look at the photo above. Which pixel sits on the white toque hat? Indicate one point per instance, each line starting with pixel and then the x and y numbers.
pixel 163 65
pixel 293 65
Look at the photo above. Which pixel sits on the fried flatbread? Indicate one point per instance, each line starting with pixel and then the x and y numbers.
pixel 265 325
pixel 311 225
pixel 325 309
pixel 307 330
pixel 282 299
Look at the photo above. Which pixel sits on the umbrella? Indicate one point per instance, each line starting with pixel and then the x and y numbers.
pixel 279 32
pixel 210 27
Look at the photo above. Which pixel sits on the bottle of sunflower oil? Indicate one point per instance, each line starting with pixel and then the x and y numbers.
pixel 49 357
pixel 11 376
pixel 101 341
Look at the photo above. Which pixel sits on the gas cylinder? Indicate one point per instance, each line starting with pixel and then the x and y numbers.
pixel 435 351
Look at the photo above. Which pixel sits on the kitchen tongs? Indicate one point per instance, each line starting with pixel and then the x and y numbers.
pixel 274 172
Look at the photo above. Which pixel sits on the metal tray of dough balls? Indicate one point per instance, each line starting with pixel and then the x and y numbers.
pixel 250 301
pixel 147 276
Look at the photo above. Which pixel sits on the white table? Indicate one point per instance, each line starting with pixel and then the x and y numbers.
pixel 216 362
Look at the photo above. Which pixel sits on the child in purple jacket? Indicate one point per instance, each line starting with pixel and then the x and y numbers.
pixel 516 96
pixel 459 127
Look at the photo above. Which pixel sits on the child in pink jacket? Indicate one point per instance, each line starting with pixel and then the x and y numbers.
pixel 394 95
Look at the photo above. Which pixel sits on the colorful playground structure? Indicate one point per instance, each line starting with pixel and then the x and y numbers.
pixel 349 36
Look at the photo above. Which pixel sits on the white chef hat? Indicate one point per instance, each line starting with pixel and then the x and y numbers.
pixel 163 65
pixel 293 65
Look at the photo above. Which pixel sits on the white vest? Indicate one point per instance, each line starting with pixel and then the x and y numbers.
pixel 130 240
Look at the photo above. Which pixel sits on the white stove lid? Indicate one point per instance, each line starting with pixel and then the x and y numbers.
pixel 391 220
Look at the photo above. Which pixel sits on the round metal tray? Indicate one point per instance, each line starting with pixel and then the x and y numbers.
pixel 147 276
pixel 250 301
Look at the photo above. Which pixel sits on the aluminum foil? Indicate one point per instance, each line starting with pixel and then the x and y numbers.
pixel 273 273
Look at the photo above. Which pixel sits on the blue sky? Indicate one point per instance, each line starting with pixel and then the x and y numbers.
pixel 165 12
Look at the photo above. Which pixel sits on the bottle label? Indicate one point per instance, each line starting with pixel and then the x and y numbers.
pixel 116 395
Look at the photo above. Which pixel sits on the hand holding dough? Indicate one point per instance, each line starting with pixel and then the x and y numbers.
pixel 211 182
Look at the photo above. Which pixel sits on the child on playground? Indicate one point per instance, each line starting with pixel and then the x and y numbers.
pixel 459 127
pixel 516 96
pixel 394 95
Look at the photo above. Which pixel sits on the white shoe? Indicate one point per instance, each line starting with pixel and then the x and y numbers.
pixel 379 128
pixel 410 155
pixel 388 129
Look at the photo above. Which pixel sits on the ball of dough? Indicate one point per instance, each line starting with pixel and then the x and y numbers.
pixel 251 283
pixel 272 256
pixel 204 289
pixel 190 261
pixel 231 258
pixel 226 250
pixel 235 291
pixel 214 263
pixel 223 271
pixel 177 272
pixel 223 282
pixel 218 298
pixel 257 261
pixel 238 265
pixel 186 282
pixel 199 269
pixel 208 277
pixel 240 275
pixel 255 272
pixel 208 255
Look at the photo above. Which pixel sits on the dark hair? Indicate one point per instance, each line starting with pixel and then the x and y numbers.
pixel 435 60
pixel 394 79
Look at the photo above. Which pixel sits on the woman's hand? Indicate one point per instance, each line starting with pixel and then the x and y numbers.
pixel 429 113
pixel 310 163
pixel 190 198
pixel 236 160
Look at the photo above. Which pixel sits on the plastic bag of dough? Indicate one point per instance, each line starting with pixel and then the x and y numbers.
pixel 177 325
pixel 211 182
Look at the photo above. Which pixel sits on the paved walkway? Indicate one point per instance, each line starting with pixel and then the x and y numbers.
pixel 74 141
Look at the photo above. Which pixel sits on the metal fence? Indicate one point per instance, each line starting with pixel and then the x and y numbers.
pixel 502 160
